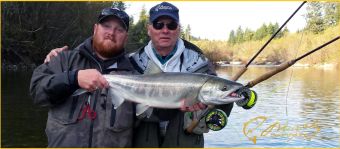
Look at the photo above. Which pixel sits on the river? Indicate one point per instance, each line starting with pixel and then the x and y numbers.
pixel 296 108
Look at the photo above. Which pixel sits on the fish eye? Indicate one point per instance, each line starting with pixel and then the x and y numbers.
pixel 224 88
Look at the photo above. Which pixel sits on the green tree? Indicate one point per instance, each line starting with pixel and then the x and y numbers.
pixel 239 35
pixel 187 34
pixel 119 4
pixel 232 38
pixel 248 35
pixel 315 22
pixel 182 32
pixel 337 12
pixel 330 17
pixel 261 32
pixel 271 29
pixel 138 33
pixel 31 30
pixel 284 32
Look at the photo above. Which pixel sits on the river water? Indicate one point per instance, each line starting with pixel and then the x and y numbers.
pixel 296 108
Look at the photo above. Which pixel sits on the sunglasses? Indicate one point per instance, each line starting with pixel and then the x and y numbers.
pixel 160 25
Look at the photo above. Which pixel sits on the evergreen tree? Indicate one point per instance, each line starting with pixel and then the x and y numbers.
pixel 239 35
pixel 315 22
pixel 284 32
pixel 337 13
pixel 119 4
pixel 271 29
pixel 330 18
pixel 187 33
pixel 182 33
pixel 248 35
pixel 138 33
pixel 31 30
pixel 261 32
pixel 232 38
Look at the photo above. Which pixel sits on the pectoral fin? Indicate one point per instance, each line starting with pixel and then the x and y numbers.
pixel 143 111
pixel 115 98
pixel 152 68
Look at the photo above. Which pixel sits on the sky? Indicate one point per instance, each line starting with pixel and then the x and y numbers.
pixel 215 20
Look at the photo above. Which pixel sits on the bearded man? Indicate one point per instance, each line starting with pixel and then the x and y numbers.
pixel 87 120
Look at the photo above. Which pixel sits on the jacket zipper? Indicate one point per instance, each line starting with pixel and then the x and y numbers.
pixel 94 105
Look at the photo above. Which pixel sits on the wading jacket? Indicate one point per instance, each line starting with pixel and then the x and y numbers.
pixel 86 120
pixel 147 132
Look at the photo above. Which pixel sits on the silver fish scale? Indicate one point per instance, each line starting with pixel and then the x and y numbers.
pixel 160 90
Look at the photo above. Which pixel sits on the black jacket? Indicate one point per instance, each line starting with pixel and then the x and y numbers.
pixel 52 85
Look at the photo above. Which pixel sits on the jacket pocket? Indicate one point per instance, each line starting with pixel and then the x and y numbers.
pixel 119 119
pixel 68 112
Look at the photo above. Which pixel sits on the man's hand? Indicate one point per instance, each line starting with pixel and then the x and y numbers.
pixel 54 53
pixel 91 79
pixel 195 107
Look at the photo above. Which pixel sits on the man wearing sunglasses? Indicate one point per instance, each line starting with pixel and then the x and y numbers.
pixel 159 127
pixel 89 119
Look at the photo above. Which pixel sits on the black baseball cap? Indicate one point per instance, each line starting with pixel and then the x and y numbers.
pixel 120 14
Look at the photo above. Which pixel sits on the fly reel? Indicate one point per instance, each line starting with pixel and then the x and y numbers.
pixel 250 101
pixel 216 119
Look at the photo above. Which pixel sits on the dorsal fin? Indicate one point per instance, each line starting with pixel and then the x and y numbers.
pixel 152 68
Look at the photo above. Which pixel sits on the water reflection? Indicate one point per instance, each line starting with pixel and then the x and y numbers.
pixel 22 123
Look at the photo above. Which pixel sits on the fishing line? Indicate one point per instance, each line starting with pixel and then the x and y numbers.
pixel 291 74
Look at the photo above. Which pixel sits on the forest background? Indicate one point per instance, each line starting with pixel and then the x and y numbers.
pixel 29 30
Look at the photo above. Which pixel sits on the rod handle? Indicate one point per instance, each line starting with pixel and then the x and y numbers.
pixel 194 122
pixel 270 73
pixel 192 126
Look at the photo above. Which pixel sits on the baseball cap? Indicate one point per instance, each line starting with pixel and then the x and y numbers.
pixel 164 9
pixel 121 15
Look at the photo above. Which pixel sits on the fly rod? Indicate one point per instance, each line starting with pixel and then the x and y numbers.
pixel 286 65
pixel 244 69
pixel 194 122
pixel 260 79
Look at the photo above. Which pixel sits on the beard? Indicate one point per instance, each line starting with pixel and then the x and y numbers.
pixel 106 47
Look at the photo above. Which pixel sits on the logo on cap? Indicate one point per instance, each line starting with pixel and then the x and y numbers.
pixel 163 7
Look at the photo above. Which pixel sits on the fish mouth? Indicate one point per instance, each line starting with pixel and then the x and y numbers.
pixel 235 94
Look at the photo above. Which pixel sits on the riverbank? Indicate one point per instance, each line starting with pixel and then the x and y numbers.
pixel 328 66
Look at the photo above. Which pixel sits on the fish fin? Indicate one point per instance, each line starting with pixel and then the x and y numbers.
pixel 115 98
pixel 79 92
pixel 143 110
pixel 152 68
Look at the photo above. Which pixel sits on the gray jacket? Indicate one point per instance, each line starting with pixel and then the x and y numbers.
pixel 68 123
pixel 147 132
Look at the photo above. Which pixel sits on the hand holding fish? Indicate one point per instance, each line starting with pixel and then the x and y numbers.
pixel 91 79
